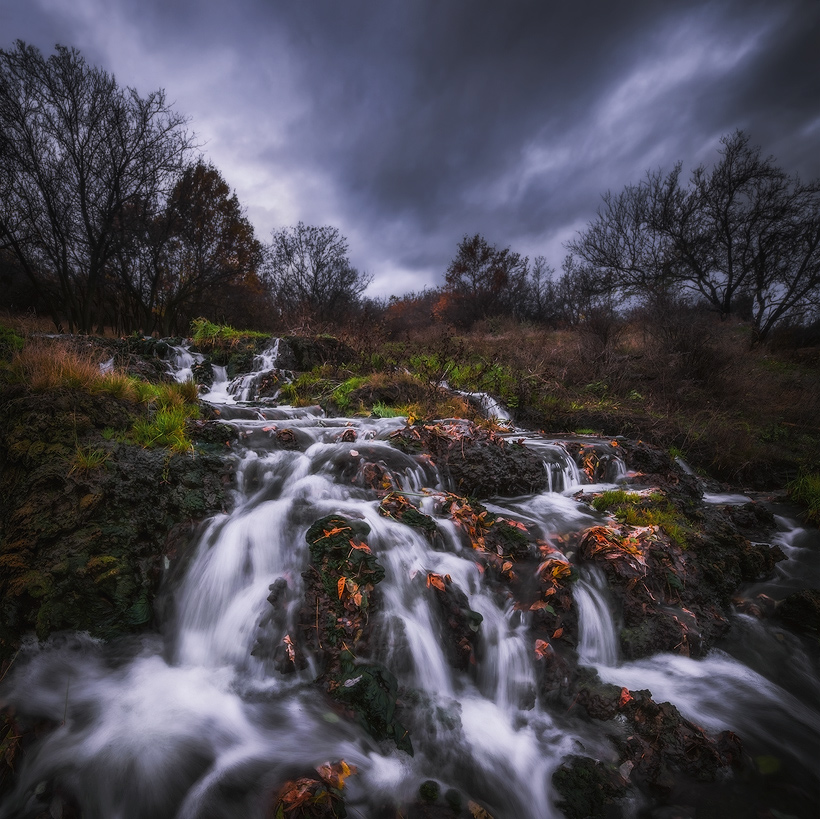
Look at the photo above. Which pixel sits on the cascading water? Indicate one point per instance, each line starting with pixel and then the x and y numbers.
pixel 598 638
pixel 198 722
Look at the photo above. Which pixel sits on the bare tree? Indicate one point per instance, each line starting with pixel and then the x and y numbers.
pixel 310 275
pixel 76 153
pixel 743 229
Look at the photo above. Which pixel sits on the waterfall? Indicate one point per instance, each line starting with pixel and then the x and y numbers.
pixel 598 644
pixel 198 722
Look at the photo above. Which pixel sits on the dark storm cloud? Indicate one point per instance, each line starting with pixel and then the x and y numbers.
pixel 408 123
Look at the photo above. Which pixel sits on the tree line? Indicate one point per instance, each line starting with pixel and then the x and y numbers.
pixel 109 218
pixel 740 238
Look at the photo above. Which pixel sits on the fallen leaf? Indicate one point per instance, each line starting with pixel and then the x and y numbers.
pixel 341 586
pixel 335 774
pixel 477 812
pixel 625 697
pixel 557 633
pixel 290 648
pixel 362 547
pixel 435 580
pixel 542 649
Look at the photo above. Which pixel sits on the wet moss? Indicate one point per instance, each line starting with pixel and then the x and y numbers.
pixel 588 788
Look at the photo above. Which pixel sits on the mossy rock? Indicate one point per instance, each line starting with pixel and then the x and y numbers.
pixel 588 788
pixel 801 610
pixel 371 691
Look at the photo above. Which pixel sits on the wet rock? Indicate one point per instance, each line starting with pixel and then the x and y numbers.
pixel 476 462
pixel 85 549
pixel 336 626
pixel 655 467
pixel 302 353
pixel 398 507
pixel 212 433
pixel 659 749
pixel 801 611
pixel 598 461
pixel 460 624
pixel 371 691
pixel 589 789
pixel 203 374
pixel 312 797
pixel 267 384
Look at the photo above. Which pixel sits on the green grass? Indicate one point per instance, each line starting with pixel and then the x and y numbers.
pixel 205 333
pixel 165 428
pixel 805 490
pixel 10 343
pixel 381 410
pixel 341 395
pixel 87 459
pixel 634 509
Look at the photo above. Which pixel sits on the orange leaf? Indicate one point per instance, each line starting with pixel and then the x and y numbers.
pixel 506 566
pixel 557 633
pixel 537 605
pixel 363 547
pixel 516 523
pixel 625 697
pixel 435 580
pixel 331 532
pixel 336 773
pixel 542 649
pixel 289 648
pixel 341 586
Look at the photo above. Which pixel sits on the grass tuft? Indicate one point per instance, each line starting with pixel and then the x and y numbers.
pixel 87 459
pixel 805 490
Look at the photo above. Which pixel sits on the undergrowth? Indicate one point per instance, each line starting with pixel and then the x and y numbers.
pixel 634 509
pixel 44 365
pixel 206 334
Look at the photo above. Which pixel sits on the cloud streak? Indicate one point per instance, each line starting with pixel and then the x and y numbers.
pixel 410 124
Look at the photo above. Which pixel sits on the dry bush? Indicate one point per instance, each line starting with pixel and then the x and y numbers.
pixel 48 364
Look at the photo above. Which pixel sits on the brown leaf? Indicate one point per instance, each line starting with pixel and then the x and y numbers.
pixel 625 697
pixel 289 648
pixel 477 812
pixel 435 580
pixel 362 547
pixel 557 633
pixel 336 773
pixel 542 649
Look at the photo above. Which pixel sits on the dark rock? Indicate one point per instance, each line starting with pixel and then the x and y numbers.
pixel 801 611
pixel 203 373
pixel 303 353
pixel 460 624
pixel 476 461
pixel 84 549
pixel 589 789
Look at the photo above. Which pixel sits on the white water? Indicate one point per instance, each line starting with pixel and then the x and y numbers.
pixel 194 724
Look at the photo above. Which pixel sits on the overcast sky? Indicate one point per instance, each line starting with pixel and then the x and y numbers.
pixel 410 123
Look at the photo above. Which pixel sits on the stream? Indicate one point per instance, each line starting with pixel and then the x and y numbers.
pixel 194 721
